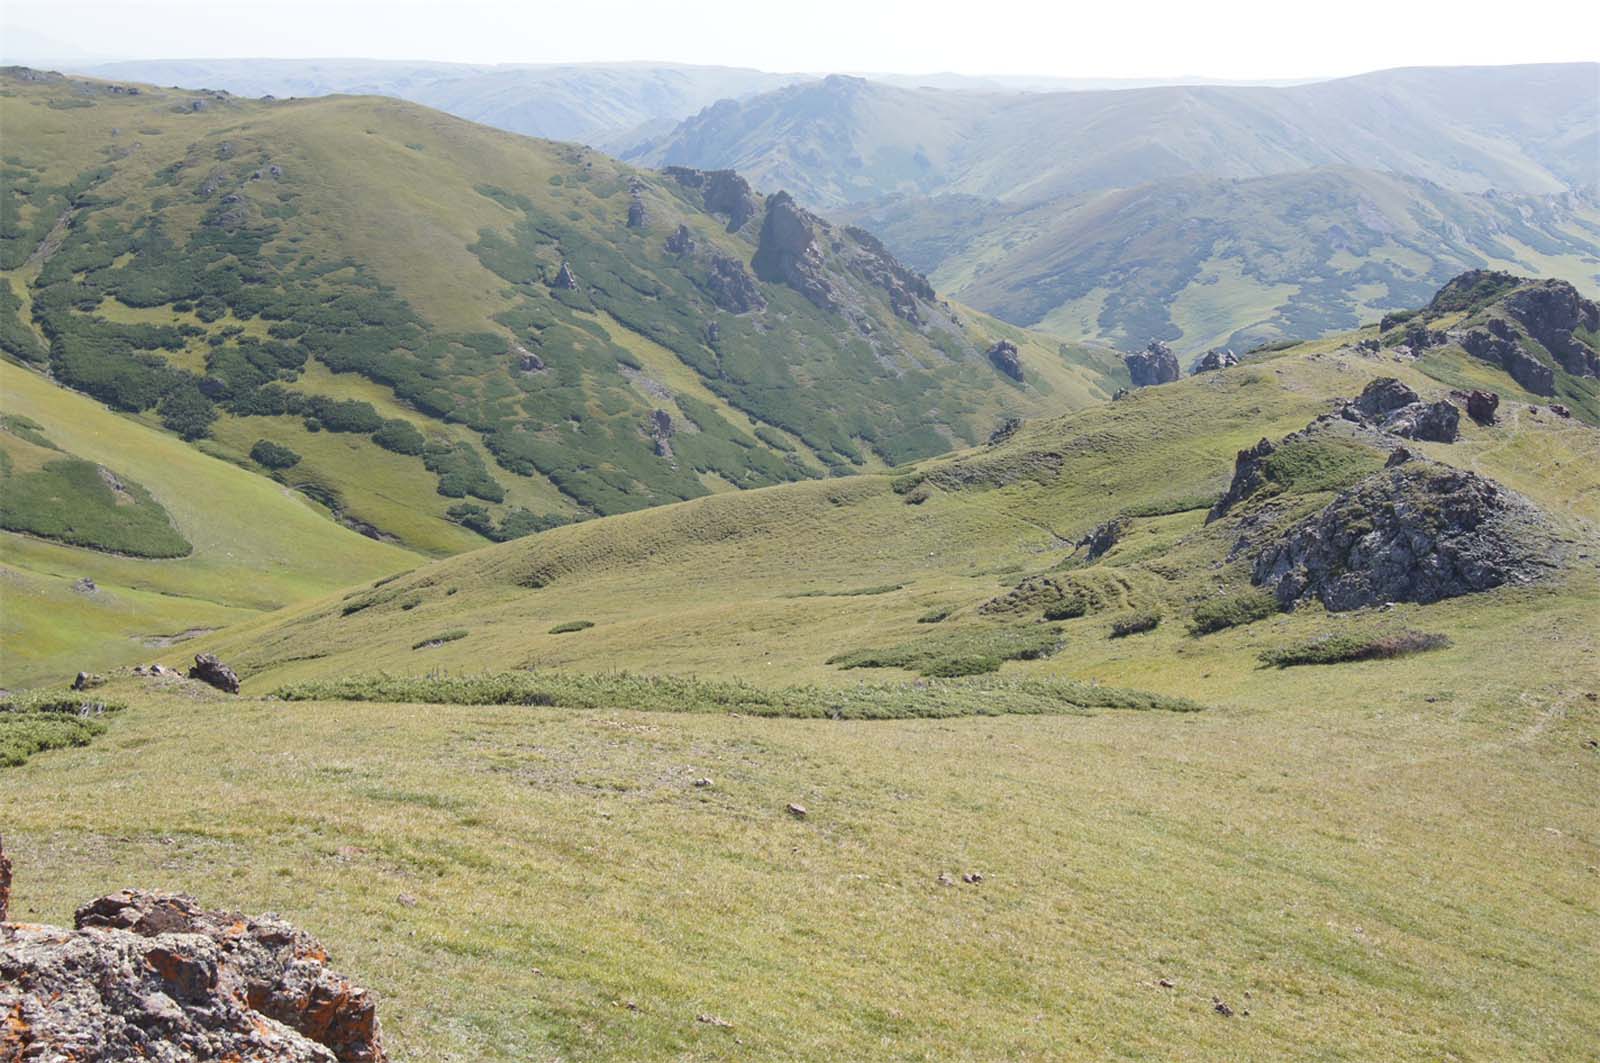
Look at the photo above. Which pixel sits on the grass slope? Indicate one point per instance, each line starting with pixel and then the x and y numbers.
pixel 1384 857
pixel 255 546
pixel 378 288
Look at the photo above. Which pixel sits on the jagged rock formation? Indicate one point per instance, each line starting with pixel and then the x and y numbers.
pixel 154 976
pixel 637 215
pixel 1249 476
pixel 681 242
pixel 1551 310
pixel 1006 358
pixel 1415 532
pixel 661 432
pixel 723 192
pixel 564 278
pixel 208 669
pixel 1214 359
pixel 1156 364
pixel 731 287
pixel 5 882
pixel 1496 342
pixel 1481 406
pixel 1003 431
pixel 1103 537
pixel 905 286
pixel 788 252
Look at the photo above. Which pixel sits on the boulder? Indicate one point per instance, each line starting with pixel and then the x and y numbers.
pixel 1414 532
pixel 637 215
pixel 731 287
pixel 1482 406
pixel 1003 431
pixel 88 681
pixel 1380 398
pixel 5 883
pixel 208 669
pixel 681 242
pixel 1005 357
pixel 1437 422
pixel 1156 364
pixel 155 976
pixel 1214 359
pixel 564 278
pixel 1103 537
pixel 788 252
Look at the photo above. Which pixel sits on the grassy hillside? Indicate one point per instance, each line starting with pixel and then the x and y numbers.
pixel 462 333
pixel 1381 857
pixel 211 545
pixel 1202 263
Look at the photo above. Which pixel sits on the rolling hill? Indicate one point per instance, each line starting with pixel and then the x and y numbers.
pixel 442 333
pixel 1216 768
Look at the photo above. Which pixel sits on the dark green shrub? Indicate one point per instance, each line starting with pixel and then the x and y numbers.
pixel 1232 611
pixel 270 455
pixel 571 625
pixel 399 436
pixel 1337 649
pixel 935 616
pixel 441 638
pixel 1135 624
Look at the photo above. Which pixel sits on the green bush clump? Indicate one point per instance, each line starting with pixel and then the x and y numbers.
pixel 858 592
pixel 400 436
pixel 441 638
pixel 961 651
pixel 929 698
pixel 271 455
pixel 935 616
pixel 1234 610
pixel 33 723
pixel 514 525
pixel 1135 624
pixel 1337 649
pixel 571 625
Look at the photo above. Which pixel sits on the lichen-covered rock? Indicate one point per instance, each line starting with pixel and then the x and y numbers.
pixel 1436 422
pixel 1382 397
pixel 731 287
pixel 1416 532
pixel 1551 310
pixel 1249 476
pixel 1005 357
pixel 788 252
pixel 208 669
pixel 154 976
pixel 1156 364
pixel 1482 406
pixel 1496 342
pixel 1214 359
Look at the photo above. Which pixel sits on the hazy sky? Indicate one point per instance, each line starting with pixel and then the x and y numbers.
pixel 1246 39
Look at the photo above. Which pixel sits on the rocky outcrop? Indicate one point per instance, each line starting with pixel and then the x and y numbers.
pixel 1390 406
pixel 1416 532
pixel 731 287
pixel 208 669
pixel 1496 342
pixel 1472 290
pixel 1551 311
pixel 661 431
pixel 788 252
pixel 1214 359
pixel 1103 537
pixel 1482 406
pixel 1003 431
pixel 155 976
pixel 723 192
pixel 5 882
pixel 637 215
pixel 905 286
pixel 681 242
pixel 564 278
pixel 1249 476
pixel 1005 357
pixel 1156 364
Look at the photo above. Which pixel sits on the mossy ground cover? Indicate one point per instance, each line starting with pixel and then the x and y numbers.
pixel 34 723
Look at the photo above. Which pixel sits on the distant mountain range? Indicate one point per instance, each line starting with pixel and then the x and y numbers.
pixel 1197 214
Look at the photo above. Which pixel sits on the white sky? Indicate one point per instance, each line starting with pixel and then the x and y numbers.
pixel 1235 39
